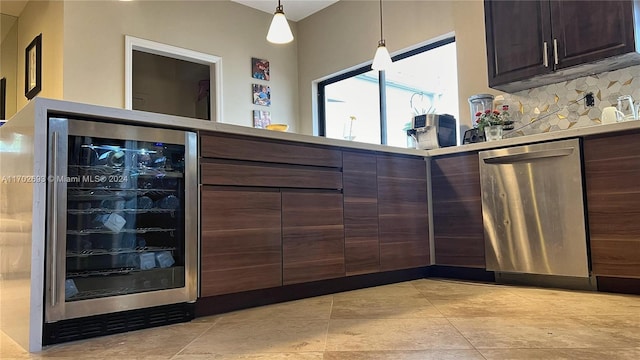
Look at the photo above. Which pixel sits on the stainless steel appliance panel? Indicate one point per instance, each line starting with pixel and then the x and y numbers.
pixel 122 220
pixel 533 210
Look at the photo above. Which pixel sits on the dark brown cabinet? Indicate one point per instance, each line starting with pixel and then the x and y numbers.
pixel 535 43
pixel 612 172
pixel 360 188
pixel 457 211
pixel 312 236
pixel 271 213
pixel 403 218
pixel 241 247
pixel 292 213
pixel 516 32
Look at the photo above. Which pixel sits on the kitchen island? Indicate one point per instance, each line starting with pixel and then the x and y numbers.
pixel 306 196
pixel 284 216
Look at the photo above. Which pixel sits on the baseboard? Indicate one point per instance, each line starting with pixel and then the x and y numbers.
pixel 548 281
pixel 230 302
pixel 461 273
pixel 619 285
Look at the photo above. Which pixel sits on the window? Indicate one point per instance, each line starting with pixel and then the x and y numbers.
pixel 421 81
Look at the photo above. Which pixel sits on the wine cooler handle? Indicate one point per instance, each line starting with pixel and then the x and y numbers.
pixel 54 222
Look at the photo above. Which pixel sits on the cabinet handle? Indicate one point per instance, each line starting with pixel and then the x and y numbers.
pixel 545 56
pixel 555 51
pixel 54 222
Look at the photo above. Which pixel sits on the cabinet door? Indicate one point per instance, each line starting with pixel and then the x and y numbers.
pixel 403 217
pixel 312 236
pixel 586 31
pixel 361 245
pixel 612 172
pixel 457 211
pixel 241 241
pixel 516 34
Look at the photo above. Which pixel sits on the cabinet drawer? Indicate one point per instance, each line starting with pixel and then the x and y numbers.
pixel 402 167
pixel 228 147
pixel 236 174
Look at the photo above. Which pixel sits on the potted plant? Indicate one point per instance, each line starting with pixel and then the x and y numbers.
pixel 491 122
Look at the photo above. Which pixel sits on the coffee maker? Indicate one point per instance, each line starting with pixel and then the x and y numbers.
pixel 433 131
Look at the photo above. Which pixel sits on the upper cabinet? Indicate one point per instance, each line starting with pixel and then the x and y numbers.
pixel 536 43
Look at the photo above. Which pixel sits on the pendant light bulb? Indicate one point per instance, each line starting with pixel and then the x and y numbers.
pixel 382 59
pixel 279 31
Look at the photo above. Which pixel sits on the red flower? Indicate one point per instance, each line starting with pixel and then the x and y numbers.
pixel 488 111
pixel 478 113
pixel 505 107
pixel 496 112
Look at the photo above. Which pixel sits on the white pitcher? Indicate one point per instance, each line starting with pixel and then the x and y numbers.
pixel 611 115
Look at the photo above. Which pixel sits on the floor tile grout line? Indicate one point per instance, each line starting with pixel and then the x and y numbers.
pixel 196 338
pixel 326 333
pixel 452 325
pixel 467 339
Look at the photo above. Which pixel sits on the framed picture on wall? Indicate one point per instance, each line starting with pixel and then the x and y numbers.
pixel 261 119
pixel 261 94
pixel 3 98
pixel 33 68
pixel 260 69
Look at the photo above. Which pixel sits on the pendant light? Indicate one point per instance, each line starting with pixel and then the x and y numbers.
pixel 382 59
pixel 279 31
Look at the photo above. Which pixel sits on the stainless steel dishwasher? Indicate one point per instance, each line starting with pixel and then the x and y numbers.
pixel 533 209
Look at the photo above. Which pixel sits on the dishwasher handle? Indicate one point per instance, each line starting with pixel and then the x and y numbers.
pixel 528 156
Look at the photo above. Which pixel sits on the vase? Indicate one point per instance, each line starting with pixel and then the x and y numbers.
pixel 492 132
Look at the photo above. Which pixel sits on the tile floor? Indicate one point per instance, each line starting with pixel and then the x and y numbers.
pixel 416 320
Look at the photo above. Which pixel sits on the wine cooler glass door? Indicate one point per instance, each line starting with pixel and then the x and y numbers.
pixel 119 218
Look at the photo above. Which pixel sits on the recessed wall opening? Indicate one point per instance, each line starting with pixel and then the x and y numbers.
pixel 169 80
pixel 170 86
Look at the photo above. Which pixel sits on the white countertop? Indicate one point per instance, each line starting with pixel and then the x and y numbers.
pixel 543 137
pixel 43 105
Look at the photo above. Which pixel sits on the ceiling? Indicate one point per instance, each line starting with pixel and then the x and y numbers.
pixel 295 10
pixel 12 7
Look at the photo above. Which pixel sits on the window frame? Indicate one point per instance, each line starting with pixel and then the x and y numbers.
pixel 321 112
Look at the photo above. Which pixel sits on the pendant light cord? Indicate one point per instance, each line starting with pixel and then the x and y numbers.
pixel 381 35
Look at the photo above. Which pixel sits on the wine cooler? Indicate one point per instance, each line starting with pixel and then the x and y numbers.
pixel 121 225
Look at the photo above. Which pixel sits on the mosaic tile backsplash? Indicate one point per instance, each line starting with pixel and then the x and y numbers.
pixel 554 107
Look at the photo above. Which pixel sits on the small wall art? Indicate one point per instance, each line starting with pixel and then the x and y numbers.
pixel 260 69
pixel 33 68
pixel 261 119
pixel 3 97
pixel 261 94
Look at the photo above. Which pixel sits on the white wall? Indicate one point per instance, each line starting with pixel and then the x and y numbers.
pixel 9 60
pixel 345 35
pixel 46 18
pixel 94 51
